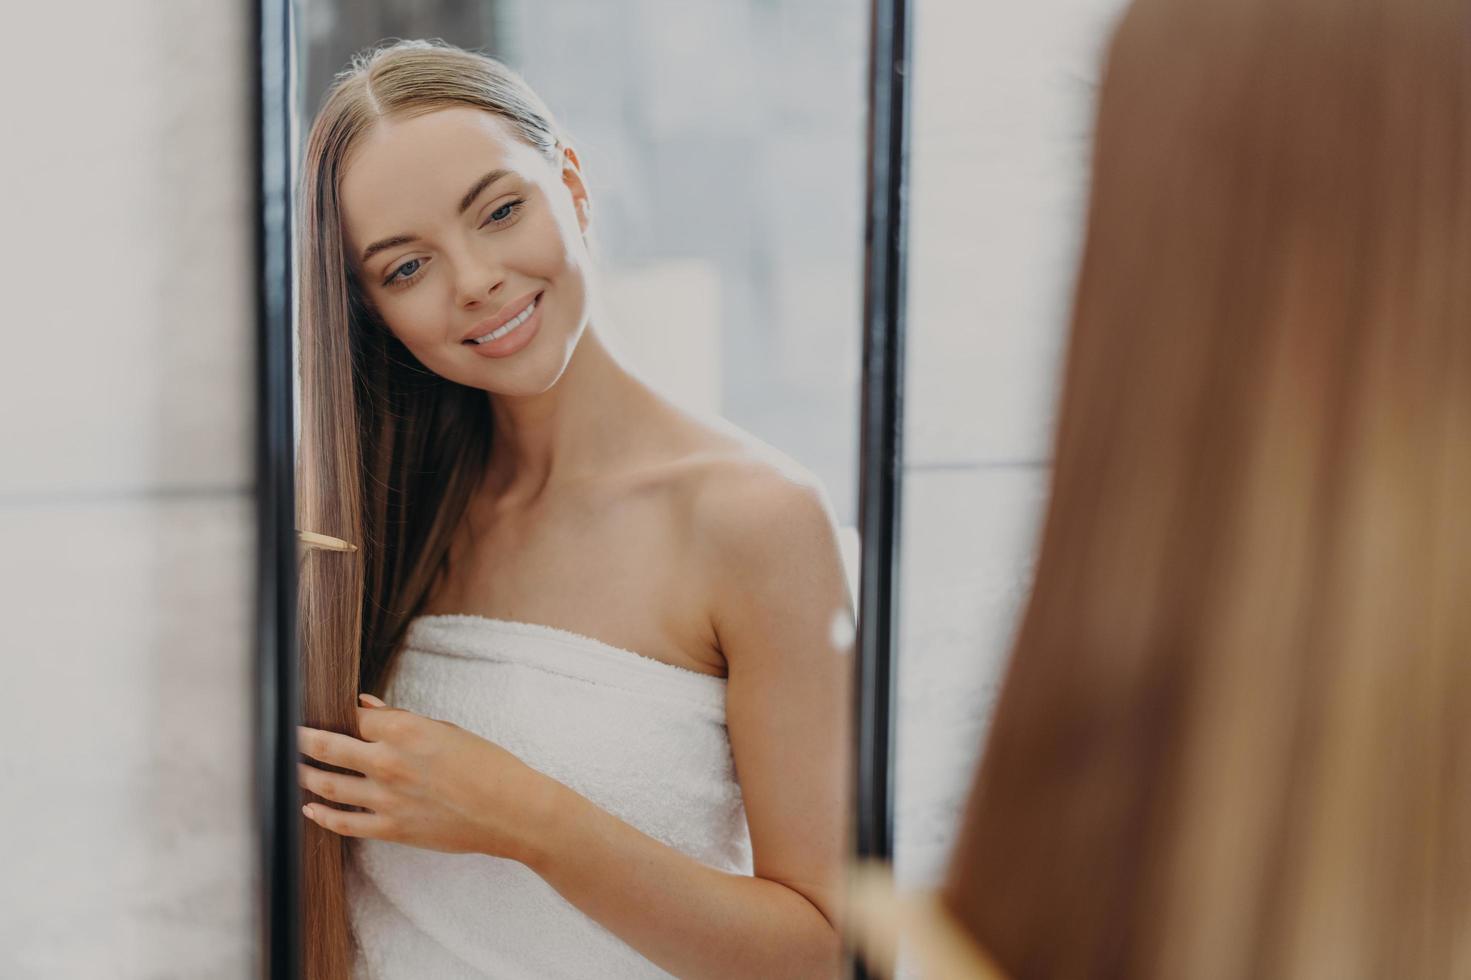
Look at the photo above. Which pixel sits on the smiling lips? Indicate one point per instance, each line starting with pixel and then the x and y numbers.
pixel 516 314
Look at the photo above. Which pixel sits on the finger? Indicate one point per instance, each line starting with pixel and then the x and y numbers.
pixel 370 699
pixel 339 787
pixel 334 748
pixel 345 822
pixel 376 724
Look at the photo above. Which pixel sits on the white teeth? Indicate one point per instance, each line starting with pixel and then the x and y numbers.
pixel 515 322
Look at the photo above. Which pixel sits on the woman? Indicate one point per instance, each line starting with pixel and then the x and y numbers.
pixel 1235 737
pixel 586 610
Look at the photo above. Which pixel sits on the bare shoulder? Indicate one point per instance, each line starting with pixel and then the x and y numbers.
pixel 751 518
pixel 764 550
pixel 756 510
pixel 745 498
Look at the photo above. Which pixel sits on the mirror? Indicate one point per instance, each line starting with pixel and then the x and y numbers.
pixel 578 330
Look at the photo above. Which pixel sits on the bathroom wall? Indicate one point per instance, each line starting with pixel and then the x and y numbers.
pixel 126 499
pixel 1002 104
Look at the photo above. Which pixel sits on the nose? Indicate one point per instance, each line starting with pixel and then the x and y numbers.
pixel 477 277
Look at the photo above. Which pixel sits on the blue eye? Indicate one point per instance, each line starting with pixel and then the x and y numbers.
pixel 510 209
pixel 413 265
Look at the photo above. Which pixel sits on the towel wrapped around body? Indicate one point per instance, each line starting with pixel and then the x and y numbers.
pixel 643 739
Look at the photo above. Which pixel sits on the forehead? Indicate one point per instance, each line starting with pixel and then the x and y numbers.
pixel 408 172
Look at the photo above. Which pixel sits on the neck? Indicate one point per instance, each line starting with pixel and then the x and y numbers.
pixel 574 429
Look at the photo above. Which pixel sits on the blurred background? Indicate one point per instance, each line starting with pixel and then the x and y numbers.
pixel 724 144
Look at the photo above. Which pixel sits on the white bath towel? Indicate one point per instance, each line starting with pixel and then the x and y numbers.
pixel 641 738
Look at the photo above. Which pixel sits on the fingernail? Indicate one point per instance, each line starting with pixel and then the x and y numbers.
pixel 369 699
pixel 307 811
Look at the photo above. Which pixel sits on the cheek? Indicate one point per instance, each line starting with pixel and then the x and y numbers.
pixel 416 320
pixel 548 252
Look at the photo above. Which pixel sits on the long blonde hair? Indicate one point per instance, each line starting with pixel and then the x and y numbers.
pixel 1234 739
pixel 390 452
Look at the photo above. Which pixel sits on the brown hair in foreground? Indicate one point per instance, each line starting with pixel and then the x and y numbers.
pixel 1235 735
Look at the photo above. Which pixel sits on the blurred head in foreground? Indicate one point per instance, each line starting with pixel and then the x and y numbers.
pixel 1235 735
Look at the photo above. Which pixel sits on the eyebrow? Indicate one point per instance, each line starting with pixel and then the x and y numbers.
pixel 465 202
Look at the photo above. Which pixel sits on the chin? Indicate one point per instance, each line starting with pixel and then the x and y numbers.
pixel 536 374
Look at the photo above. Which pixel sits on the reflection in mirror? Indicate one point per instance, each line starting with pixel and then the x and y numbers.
pixel 578 339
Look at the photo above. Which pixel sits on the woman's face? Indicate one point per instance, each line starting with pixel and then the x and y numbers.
pixel 452 257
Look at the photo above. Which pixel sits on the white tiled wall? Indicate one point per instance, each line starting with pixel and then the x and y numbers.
pixel 126 506
pixel 1002 106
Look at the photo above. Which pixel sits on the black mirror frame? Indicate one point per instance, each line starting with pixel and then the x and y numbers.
pixel 277 796
pixel 881 454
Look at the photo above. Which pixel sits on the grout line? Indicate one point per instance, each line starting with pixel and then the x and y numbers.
pixel 930 466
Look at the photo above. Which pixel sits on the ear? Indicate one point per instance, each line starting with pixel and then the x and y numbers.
pixel 572 178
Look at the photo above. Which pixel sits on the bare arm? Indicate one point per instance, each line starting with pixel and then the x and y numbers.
pixel 693 920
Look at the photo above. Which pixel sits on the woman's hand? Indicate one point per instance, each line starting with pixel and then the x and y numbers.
pixel 428 783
